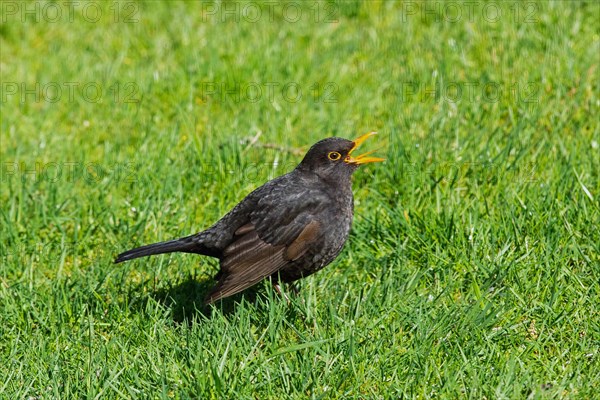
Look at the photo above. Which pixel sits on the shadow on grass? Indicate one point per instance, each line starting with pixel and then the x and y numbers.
pixel 185 300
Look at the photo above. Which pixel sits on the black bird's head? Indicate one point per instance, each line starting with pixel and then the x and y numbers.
pixel 332 158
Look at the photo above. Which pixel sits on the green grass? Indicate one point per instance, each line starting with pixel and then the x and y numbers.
pixel 473 267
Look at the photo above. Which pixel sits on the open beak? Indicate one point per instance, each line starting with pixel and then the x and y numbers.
pixel 363 158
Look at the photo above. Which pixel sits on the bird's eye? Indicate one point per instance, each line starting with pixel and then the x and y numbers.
pixel 334 155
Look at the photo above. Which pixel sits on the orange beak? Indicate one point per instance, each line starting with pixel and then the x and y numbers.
pixel 363 158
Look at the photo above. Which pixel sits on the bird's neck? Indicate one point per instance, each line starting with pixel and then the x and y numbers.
pixel 339 187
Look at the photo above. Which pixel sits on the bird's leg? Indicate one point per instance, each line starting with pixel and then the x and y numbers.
pixel 278 290
pixel 294 289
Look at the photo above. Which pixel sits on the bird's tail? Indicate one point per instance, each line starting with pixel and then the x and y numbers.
pixel 186 245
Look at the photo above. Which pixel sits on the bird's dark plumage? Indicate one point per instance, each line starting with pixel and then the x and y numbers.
pixel 287 229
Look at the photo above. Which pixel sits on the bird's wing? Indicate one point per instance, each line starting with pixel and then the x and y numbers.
pixel 279 232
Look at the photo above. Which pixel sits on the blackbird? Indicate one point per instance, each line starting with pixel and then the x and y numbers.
pixel 286 229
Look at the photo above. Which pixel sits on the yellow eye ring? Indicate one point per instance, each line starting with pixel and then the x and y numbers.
pixel 334 155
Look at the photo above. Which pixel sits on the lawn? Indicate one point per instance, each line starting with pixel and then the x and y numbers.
pixel 473 266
